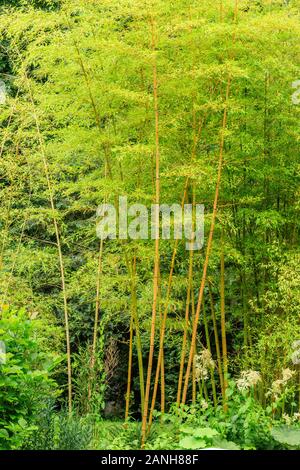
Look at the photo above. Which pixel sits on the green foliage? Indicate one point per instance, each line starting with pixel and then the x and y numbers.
pixel 25 378
pixel 60 431
pixel 289 437
pixel 89 385
pixel 79 77
pixel 246 424
pixel 197 438
pixel 118 436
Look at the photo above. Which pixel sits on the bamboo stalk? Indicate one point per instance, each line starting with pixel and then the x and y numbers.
pixel 162 385
pixel 223 325
pixel 209 246
pixel 190 274
pixel 109 171
pixel 129 369
pixel 162 368
pixel 156 256
pixel 163 326
pixel 57 234
pixel 59 248
pixel 164 320
pixel 213 384
pixel 194 379
pixel 186 326
pixel 211 232
pixel 137 335
pixel 217 342
pixel 96 320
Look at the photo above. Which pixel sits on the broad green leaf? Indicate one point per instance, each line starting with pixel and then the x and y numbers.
pixel 287 435
pixel 205 433
pixel 191 443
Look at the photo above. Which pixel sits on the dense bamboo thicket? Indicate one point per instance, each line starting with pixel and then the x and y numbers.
pixel 153 342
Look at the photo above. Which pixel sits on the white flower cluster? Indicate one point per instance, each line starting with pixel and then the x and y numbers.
pixel 291 419
pixel 279 384
pixel 295 357
pixel 248 379
pixel 203 363
pixel 204 404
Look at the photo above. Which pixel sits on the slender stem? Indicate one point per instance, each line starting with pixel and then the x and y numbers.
pixel 194 378
pixel 209 244
pixel 164 320
pixel 217 342
pixel 223 324
pixel 186 326
pixel 96 320
pixel 59 248
pixel 213 384
pixel 211 232
pixel 156 256
pixel 136 325
pixel 129 368
pixel 163 326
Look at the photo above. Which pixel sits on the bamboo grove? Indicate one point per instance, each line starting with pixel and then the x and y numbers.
pixel 160 101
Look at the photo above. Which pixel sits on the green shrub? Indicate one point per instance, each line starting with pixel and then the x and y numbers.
pixel 25 378
pixel 60 431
